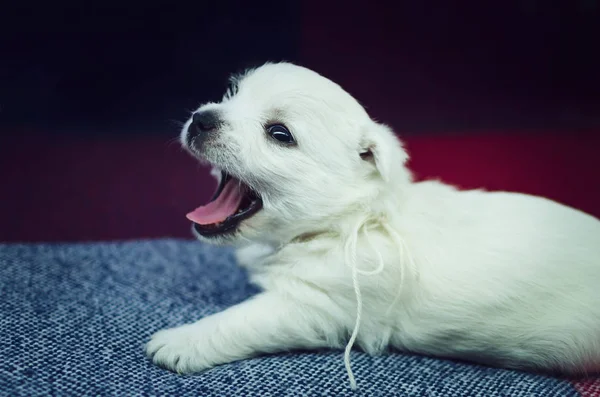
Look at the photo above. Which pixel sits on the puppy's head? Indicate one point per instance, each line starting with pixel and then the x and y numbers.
pixel 294 154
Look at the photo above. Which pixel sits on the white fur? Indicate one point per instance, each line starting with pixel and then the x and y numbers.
pixel 504 279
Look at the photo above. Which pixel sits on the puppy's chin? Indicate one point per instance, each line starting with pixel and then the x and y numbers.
pixel 259 231
pixel 230 238
pixel 241 236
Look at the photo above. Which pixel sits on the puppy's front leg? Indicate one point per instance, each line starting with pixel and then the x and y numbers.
pixel 266 323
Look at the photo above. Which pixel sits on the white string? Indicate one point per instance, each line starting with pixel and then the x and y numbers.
pixel 379 268
pixel 350 258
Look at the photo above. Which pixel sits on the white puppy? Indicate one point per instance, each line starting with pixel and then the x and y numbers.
pixel 346 247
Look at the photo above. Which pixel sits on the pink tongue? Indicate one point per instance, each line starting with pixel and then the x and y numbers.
pixel 223 206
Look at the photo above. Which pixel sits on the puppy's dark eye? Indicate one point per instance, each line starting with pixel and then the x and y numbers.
pixel 280 133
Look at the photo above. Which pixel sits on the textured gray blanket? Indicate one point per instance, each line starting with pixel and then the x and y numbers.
pixel 74 319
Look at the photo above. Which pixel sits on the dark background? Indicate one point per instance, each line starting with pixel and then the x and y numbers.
pixel 92 94
pixel 424 66
pixel 129 66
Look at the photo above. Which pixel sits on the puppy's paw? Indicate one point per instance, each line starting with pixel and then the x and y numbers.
pixel 179 349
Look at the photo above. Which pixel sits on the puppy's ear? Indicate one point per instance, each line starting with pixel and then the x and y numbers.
pixel 382 148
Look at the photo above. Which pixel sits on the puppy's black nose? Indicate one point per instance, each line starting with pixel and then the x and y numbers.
pixel 205 121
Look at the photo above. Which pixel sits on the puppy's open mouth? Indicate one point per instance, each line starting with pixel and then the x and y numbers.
pixel 232 203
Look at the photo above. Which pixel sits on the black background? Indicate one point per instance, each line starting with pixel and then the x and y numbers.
pixel 102 68
pixel 130 67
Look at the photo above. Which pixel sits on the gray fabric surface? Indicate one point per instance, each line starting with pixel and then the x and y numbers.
pixel 74 319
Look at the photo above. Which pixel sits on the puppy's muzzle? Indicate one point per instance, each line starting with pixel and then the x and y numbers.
pixel 204 124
